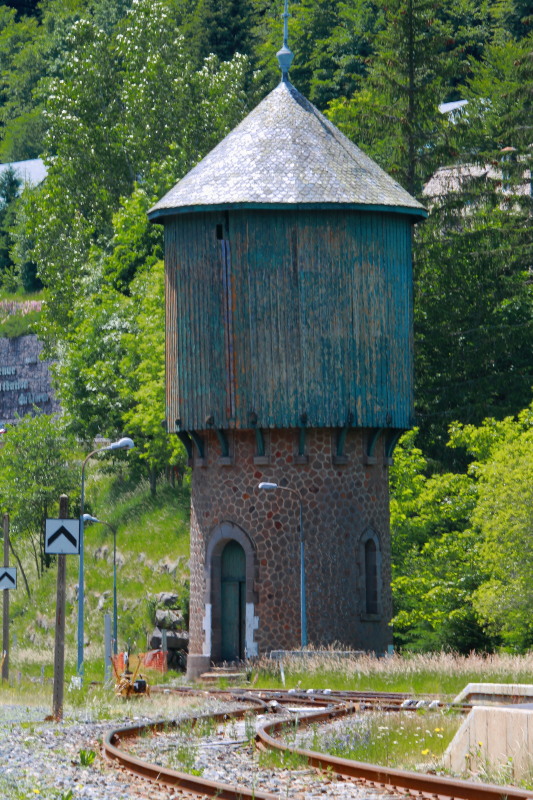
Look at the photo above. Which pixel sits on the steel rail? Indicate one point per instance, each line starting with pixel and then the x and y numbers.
pixel 421 783
pixel 170 777
pixel 332 705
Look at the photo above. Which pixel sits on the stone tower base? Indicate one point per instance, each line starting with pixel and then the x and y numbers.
pixel 245 545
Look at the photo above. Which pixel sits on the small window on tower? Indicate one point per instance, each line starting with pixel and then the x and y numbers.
pixel 220 231
pixel 371 577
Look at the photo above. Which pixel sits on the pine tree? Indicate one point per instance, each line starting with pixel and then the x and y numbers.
pixel 421 51
pixel 9 192
pixel 473 257
pixel 330 39
pixel 221 28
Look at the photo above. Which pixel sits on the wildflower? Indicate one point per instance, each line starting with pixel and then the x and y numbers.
pixel 437 730
pixel 425 752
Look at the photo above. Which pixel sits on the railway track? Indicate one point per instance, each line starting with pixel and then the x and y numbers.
pixel 317 708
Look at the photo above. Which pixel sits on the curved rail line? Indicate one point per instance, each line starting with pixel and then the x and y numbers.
pixel 330 706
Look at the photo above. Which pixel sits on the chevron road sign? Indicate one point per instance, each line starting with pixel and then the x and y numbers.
pixel 8 577
pixel 62 537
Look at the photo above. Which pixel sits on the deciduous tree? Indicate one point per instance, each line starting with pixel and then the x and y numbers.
pixel 503 518
pixel 144 364
pixel 127 106
pixel 436 555
pixel 36 466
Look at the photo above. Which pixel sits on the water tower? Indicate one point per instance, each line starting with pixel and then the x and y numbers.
pixel 289 361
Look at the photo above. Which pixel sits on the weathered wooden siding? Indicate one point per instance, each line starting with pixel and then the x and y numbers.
pixel 291 313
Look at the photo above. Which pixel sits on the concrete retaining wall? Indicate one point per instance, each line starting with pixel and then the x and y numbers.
pixel 481 694
pixel 493 740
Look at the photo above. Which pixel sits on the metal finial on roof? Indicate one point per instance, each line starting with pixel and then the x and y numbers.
pixel 285 56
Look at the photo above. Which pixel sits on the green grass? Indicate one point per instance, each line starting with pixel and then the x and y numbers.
pixel 185 750
pixel 11 787
pixel 19 325
pixel 87 757
pixel 282 759
pixel 17 317
pixel 152 557
pixel 405 740
pixel 442 674
pixel 153 553
pixel 20 296
pixel 95 702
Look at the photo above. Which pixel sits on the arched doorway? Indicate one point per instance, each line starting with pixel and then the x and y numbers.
pixel 230 621
pixel 233 602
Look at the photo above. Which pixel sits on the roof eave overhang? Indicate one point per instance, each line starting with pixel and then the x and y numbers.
pixel 161 214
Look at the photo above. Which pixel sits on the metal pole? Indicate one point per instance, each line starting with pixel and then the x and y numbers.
pixel 303 602
pixel 5 618
pixel 124 443
pixel 81 575
pixel 115 617
pixel 81 578
pixel 59 649
pixel 107 648
pixel 164 646
pixel 303 611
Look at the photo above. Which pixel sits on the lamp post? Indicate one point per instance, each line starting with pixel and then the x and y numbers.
pixel 89 518
pixel 303 613
pixel 122 444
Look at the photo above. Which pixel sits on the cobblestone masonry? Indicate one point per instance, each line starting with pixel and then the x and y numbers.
pixel 24 378
pixel 342 506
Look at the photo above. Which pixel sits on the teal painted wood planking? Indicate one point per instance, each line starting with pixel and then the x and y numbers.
pixel 313 315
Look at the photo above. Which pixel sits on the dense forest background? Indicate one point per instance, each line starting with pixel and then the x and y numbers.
pixel 122 97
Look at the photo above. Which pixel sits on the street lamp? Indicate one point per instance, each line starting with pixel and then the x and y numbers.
pixel 123 444
pixel 89 518
pixel 303 614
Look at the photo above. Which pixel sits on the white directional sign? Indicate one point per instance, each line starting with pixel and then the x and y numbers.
pixel 8 577
pixel 62 537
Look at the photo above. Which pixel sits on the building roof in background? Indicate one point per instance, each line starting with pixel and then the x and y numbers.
pixel 285 152
pixel 454 179
pixel 454 105
pixel 31 172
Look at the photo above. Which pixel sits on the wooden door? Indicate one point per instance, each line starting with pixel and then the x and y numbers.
pixel 233 602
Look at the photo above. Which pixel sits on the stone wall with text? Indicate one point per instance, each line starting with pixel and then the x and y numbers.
pixel 25 380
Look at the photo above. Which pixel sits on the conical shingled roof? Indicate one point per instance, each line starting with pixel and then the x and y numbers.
pixel 285 152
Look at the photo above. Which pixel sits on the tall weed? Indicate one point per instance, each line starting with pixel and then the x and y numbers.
pixel 430 673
